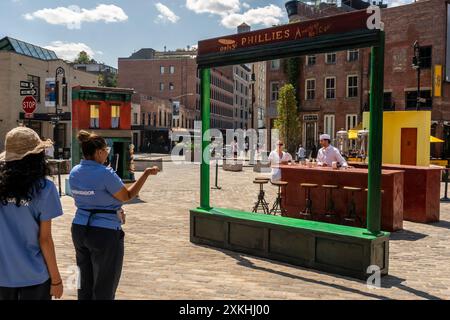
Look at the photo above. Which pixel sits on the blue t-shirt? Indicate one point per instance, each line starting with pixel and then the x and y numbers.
pixel 21 261
pixel 93 186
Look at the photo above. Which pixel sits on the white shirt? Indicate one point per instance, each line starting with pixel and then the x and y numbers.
pixel 275 161
pixel 301 152
pixel 327 156
pixel 234 147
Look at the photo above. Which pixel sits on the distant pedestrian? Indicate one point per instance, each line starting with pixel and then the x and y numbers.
pixel 28 203
pixel 97 233
pixel 234 148
pixel 301 153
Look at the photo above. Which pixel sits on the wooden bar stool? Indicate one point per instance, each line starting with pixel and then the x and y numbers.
pixel 307 213
pixel 278 205
pixel 261 203
pixel 352 218
pixel 330 213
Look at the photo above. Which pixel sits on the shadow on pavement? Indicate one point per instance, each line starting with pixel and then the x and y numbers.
pixel 388 281
pixel 441 224
pixel 407 235
pixel 136 201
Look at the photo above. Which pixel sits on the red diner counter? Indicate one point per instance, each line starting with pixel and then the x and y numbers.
pixel 421 191
pixel 294 196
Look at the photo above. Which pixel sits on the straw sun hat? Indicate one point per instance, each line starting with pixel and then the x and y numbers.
pixel 21 142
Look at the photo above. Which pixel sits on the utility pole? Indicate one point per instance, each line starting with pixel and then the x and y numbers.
pixel 59 71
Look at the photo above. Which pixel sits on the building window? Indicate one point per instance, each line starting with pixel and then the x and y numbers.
pixel 143 119
pixel 161 86
pixel 351 121
pixel 352 86
pixel 387 102
pixel 310 89
pixel 162 70
pixel 115 116
pixel 352 55
pixel 310 60
pixel 171 86
pixel 95 116
pixel 172 69
pixel 329 123
pixel 330 88
pixel 425 57
pixel 411 100
pixel 330 58
pixel 135 118
pixel 274 88
pixel 275 64
pixel 36 81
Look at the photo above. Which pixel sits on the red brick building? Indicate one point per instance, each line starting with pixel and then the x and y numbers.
pixel 172 75
pixel 333 88
pixel 107 112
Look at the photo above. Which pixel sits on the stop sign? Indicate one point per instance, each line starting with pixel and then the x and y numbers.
pixel 29 105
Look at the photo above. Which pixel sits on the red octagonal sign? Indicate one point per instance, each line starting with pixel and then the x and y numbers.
pixel 29 105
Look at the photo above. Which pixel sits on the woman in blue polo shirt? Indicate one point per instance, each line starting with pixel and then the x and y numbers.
pixel 28 203
pixel 97 233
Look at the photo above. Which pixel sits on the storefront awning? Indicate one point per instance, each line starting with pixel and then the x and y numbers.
pixel 435 140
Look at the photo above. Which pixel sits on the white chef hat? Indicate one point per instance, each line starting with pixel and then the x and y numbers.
pixel 325 137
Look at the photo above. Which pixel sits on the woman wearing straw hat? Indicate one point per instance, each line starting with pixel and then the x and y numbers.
pixel 28 203
pixel 97 233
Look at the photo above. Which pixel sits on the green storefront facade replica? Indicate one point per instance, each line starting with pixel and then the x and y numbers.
pixel 332 248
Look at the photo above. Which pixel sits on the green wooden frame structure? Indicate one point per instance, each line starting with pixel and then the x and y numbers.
pixel 338 249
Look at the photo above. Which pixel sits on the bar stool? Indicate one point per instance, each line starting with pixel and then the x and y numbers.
pixel 261 203
pixel 352 218
pixel 330 213
pixel 278 205
pixel 307 213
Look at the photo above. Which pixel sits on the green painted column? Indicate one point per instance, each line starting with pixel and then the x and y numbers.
pixel 376 137
pixel 205 87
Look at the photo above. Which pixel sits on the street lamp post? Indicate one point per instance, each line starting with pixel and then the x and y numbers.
pixel 416 65
pixel 59 71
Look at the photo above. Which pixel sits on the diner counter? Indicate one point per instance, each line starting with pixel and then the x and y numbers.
pixel 422 191
pixel 294 196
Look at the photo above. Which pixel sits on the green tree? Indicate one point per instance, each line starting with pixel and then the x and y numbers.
pixel 288 121
pixel 107 79
pixel 84 58
pixel 291 68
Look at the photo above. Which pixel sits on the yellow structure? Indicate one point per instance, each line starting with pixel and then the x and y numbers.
pixel 394 122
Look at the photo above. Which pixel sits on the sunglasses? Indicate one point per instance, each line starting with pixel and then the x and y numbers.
pixel 280 144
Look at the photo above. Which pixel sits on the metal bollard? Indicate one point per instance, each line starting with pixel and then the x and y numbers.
pixel 446 199
pixel 217 176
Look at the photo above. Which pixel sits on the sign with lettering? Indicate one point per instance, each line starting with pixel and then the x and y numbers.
pixel 437 80
pixel 29 105
pixel 342 23
pixel 26 85
pixel 310 117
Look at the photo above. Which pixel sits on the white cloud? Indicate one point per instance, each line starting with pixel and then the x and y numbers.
pixel 73 16
pixel 219 7
pixel 266 16
pixel 165 14
pixel 70 50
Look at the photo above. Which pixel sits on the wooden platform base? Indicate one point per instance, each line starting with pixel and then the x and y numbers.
pixel 342 250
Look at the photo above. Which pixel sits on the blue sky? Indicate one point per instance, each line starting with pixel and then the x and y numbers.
pixel 109 29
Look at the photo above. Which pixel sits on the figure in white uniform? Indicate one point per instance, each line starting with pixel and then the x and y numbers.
pixel 329 154
pixel 276 158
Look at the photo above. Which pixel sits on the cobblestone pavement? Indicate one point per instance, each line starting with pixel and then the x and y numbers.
pixel 161 263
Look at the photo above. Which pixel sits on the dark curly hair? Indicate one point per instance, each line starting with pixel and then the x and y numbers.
pixel 23 179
